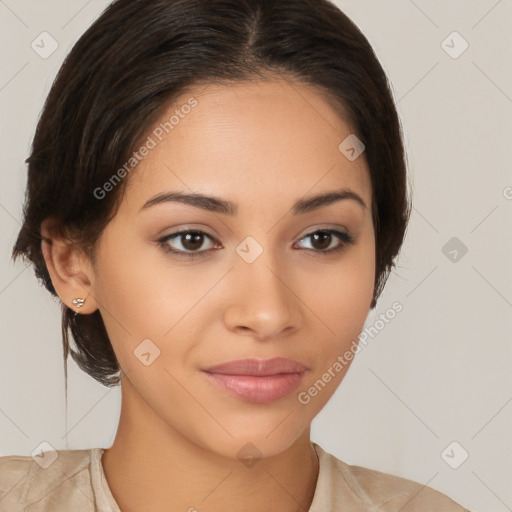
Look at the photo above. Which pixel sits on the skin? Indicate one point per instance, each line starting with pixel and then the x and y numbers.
pixel 262 146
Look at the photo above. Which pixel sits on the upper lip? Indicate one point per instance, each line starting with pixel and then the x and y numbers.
pixel 258 367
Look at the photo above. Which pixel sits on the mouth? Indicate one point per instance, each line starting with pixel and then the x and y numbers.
pixel 257 380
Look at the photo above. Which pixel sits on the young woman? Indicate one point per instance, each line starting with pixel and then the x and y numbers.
pixel 217 193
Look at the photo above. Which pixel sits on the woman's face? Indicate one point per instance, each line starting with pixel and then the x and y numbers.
pixel 262 281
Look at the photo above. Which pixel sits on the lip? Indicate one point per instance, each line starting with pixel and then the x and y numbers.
pixel 257 380
pixel 258 367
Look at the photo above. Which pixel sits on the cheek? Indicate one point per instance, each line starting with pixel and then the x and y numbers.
pixel 341 296
pixel 143 295
pixel 129 290
pixel 340 300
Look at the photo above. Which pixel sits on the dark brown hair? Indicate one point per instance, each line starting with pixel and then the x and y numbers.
pixel 139 55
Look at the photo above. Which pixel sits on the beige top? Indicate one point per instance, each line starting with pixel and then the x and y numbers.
pixel 75 481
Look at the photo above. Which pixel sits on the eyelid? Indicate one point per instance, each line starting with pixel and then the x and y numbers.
pixel 344 237
pixel 177 235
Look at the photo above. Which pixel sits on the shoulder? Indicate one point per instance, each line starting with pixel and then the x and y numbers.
pixel 59 477
pixel 371 490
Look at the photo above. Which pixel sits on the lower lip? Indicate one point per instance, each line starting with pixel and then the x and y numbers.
pixel 258 389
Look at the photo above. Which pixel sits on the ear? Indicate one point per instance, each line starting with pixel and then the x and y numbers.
pixel 69 268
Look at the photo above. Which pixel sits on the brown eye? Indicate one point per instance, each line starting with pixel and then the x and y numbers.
pixel 322 239
pixel 190 242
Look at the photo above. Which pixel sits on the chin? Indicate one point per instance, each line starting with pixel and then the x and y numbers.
pixel 255 441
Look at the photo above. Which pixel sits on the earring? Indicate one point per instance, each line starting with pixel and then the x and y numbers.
pixel 78 303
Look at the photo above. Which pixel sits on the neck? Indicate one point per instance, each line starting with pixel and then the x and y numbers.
pixel 153 467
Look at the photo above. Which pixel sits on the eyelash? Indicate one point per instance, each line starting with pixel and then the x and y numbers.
pixel 345 238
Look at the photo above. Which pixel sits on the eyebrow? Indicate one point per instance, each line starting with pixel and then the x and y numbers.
pixel 217 205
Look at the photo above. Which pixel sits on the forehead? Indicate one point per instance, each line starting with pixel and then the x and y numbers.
pixel 272 139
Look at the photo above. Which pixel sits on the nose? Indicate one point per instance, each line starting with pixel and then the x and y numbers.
pixel 264 300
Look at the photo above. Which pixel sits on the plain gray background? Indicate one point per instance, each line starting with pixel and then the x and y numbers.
pixel 439 372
